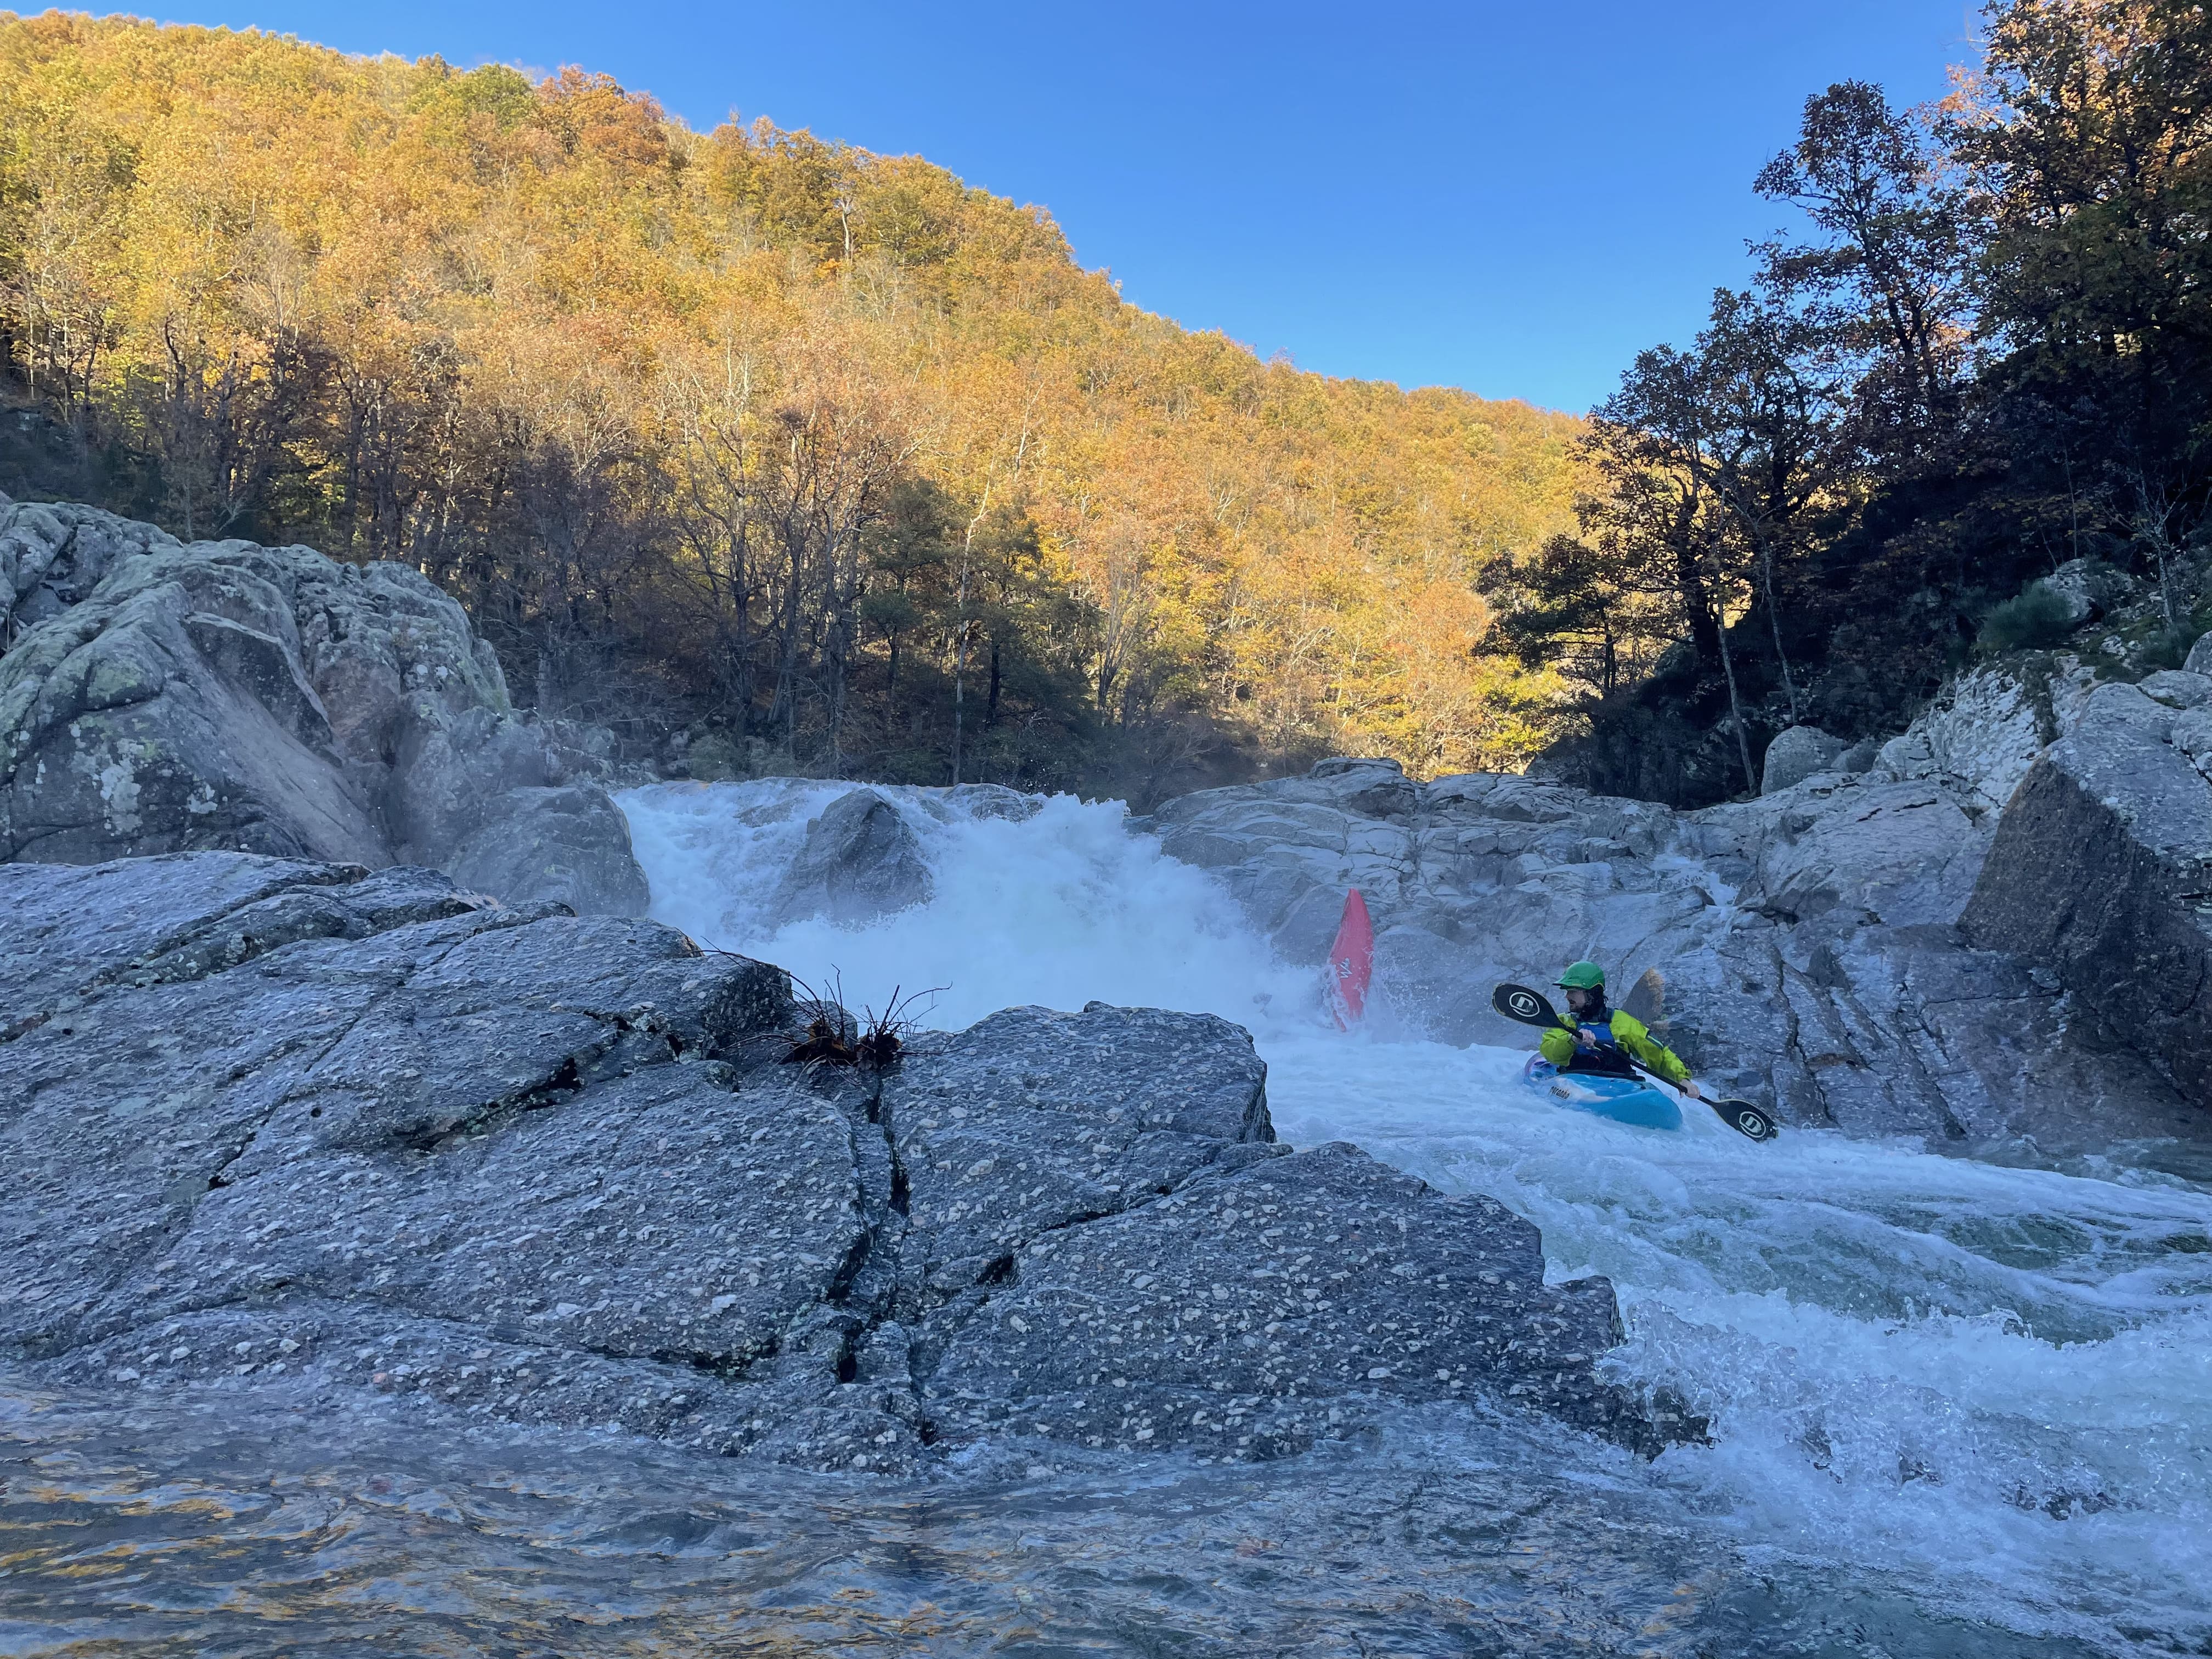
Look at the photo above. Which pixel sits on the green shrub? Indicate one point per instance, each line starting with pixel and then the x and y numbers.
pixel 2169 647
pixel 2035 621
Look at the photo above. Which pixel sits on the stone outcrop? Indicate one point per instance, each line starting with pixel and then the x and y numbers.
pixel 158 697
pixel 1809 942
pixel 290 1126
pixel 1796 753
pixel 2089 588
pixel 2102 866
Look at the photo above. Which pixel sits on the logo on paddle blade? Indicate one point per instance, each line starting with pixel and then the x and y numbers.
pixel 1524 1005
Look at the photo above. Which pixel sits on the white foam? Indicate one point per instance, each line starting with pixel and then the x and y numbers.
pixel 1993 1383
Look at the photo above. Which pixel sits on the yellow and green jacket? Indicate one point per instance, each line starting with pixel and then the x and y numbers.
pixel 1625 1034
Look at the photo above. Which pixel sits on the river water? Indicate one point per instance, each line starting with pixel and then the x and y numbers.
pixel 1957 1406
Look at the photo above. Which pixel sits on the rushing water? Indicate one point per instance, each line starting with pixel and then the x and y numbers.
pixel 1987 1386
pixel 1959 1407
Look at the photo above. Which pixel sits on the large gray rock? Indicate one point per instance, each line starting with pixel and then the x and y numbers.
pixel 1980 733
pixel 861 859
pixel 570 844
pixel 1241 1313
pixel 287 1125
pixel 1796 753
pixel 1808 942
pixel 156 697
pixel 2103 867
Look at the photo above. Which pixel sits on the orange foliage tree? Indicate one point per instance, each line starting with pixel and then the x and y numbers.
pixel 823 457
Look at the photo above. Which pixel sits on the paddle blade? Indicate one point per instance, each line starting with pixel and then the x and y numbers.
pixel 1745 1119
pixel 1518 1002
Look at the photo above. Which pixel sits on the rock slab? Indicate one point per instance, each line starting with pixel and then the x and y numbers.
pixel 284 1125
pixel 2103 867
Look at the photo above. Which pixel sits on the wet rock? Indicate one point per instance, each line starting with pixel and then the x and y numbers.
pixel 274 1124
pixel 157 697
pixel 1032 1120
pixel 980 800
pixel 1796 753
pixel 76 930
pixel 861 859
pixel 1249 1311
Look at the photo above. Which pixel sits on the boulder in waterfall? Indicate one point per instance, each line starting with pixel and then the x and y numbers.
pixel 288 1128
pixel 979 801
pixel 1796 753
pixel 2102 867
pixel 2199 660
pixel 158 697
pixel 861 859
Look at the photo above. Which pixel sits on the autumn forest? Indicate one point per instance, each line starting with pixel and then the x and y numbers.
pixel 775 455
pixel 802 458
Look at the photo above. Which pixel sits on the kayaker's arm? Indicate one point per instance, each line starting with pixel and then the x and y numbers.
pixel 1629 1031
pixel 1558 1045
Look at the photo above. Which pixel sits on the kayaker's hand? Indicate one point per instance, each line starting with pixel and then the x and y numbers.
pixel 1691 1089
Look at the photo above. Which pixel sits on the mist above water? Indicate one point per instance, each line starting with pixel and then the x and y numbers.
pixel 1989 1387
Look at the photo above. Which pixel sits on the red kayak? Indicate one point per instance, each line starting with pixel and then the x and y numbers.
pixel 1351 963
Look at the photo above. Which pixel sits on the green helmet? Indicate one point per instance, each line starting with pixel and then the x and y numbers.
pixel 1582 976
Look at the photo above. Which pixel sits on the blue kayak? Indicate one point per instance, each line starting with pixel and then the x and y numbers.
pixel 1624 1099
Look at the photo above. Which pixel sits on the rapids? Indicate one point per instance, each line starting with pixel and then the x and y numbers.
pixel 1964 1397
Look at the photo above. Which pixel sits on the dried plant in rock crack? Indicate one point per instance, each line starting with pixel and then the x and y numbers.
pixel 887 1034
pixel 829 1034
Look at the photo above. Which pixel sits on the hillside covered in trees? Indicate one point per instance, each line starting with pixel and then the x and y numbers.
pixel 818 458
pixel 1980 379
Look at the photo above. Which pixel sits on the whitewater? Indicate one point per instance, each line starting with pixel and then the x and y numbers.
pixel 1971 1398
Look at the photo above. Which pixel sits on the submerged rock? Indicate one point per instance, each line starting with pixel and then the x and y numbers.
pixel 284 1125
pixel 157 697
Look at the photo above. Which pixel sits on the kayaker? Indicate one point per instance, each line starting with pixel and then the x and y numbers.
pixel 1605 1040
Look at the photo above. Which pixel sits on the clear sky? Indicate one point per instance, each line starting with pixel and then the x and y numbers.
pixel 1511 196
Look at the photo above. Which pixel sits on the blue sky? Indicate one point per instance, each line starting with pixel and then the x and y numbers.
pixel 1511 197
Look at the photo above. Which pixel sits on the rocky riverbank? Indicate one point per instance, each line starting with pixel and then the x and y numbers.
pixel 1994 929
pixel 301 1128
pixel 293 1114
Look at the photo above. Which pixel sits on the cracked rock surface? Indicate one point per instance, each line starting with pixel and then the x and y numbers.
pixel 283 1125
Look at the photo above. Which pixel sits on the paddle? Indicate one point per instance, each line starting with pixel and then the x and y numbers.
pixel 1527 1008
